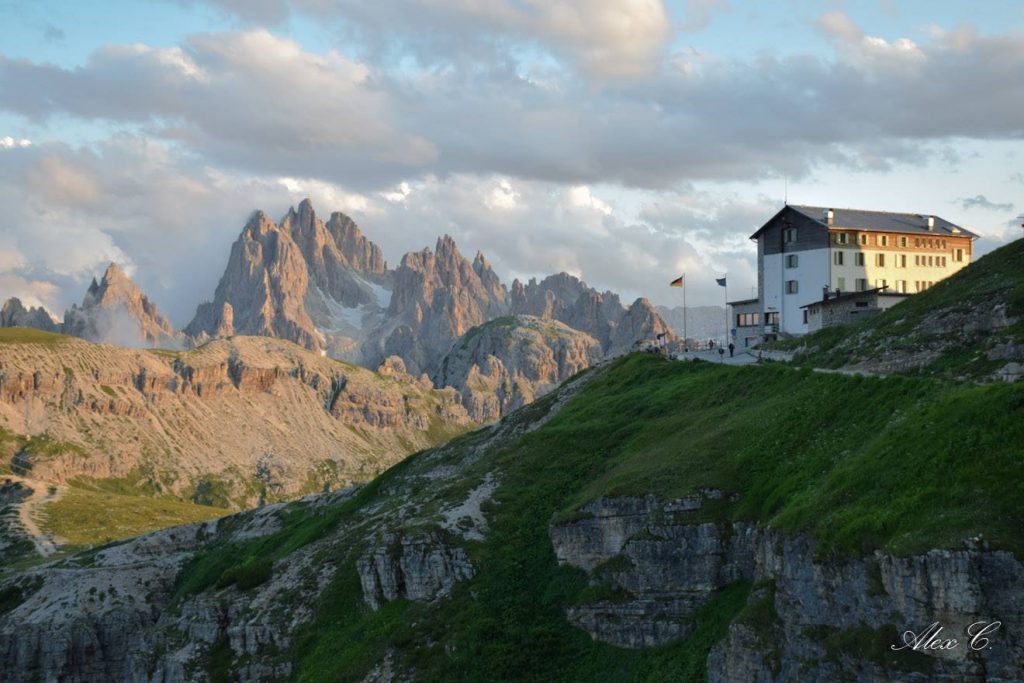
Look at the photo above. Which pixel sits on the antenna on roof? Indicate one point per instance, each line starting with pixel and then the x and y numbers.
pixel 785 195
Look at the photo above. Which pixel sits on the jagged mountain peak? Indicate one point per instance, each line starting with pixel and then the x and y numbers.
pixel 15 314
pixel 115 310
pixel 303 280
pixel 115 282
pixel 446 248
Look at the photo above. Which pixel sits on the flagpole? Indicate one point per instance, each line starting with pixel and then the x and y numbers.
pixel 686 347
pixel 726 288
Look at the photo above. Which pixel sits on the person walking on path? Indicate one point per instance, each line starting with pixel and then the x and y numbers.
pixel 732 347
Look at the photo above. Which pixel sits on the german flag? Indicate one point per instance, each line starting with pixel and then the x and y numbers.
pixel 678 282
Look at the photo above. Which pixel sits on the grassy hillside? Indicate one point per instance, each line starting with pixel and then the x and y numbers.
pixel 28 335
pixel 87 515
pixel 956 324
pixel 856 463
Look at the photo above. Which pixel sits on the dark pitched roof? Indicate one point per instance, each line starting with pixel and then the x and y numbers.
pixel 742 301
pixel 882 221
pixel 878 291
pixel 876 221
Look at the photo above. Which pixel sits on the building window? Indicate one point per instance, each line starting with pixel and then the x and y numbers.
pixel 839 238
pixel 791 260
pixel 883 240
pixel 747 319
pixel 860 258
pixel 841 284
pixel 880 260
pixel 860 304
pixel 805 316
pixel 792 286
pixel 943 261
pixel 958 255
pixel 901 261
pixel 789 235
pixel 837 258
pixel 863 239
pixel 771 318
pixel 862 284
pixel 930 260
pixel 881 283
pixel 903 241
pixel 943 244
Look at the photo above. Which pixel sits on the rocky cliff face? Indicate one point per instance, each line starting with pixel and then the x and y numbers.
pixel 320 285
pixel 262 290
pixel 508 362
pixel 808 618
pixel 215 414
pixel 115 311
pixel 438 296
pixel 569 300
pixel 14 314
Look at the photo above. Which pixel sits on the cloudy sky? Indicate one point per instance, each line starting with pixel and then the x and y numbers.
pixel 625 141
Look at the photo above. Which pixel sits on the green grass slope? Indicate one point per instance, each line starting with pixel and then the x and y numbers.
pixel 902 464
pixel 952 320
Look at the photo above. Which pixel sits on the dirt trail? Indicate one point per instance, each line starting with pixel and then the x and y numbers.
pixel 30 512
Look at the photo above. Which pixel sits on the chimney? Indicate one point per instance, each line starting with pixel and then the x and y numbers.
pixel 829 215
pixel 931 222
pixel 824 293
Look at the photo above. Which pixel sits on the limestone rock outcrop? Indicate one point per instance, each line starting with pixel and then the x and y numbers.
pixel 509 361
pixel 419 568
pixel 817 618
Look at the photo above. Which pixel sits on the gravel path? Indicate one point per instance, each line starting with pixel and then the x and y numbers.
pixel 30 512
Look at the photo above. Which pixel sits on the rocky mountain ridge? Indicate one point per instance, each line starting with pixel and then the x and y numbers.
pixel 14 314
pixel 212 425
pixel 324 286
pixel 114 310
pixel 327 287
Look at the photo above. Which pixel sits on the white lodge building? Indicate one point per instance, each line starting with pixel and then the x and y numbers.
pixel 802 250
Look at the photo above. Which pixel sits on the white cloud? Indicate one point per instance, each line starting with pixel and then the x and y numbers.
pixel 257 103
pixel 604 39
pixel 398 193
pixel 10 143
pixel 580 196
pixel 502 196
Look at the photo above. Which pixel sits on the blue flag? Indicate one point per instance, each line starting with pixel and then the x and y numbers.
pixel 720 281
